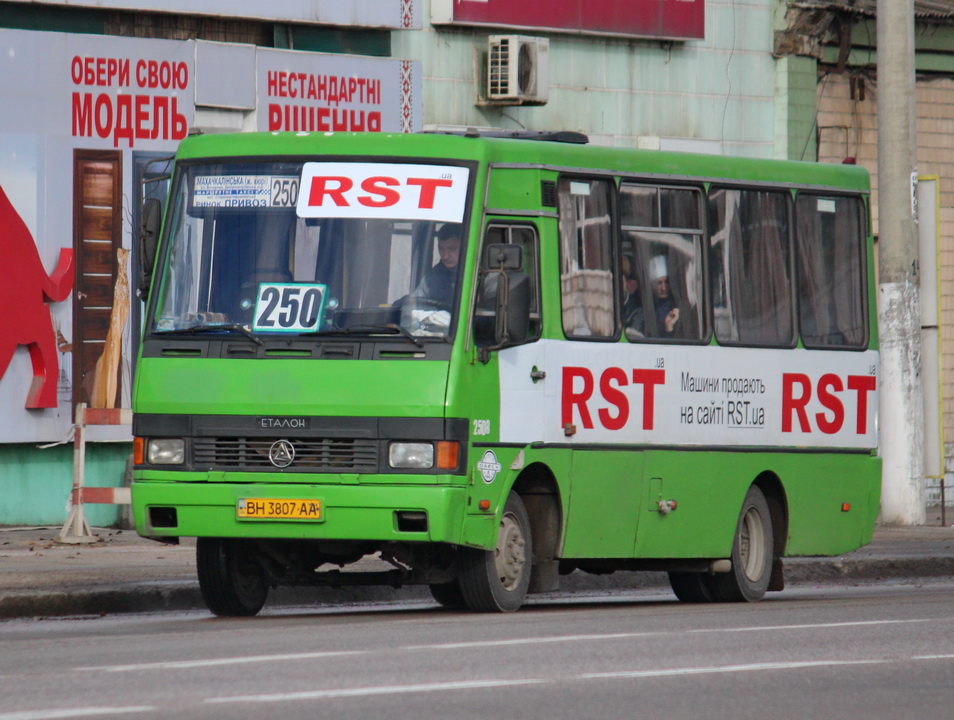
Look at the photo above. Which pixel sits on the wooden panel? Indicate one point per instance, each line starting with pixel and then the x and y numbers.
pixel 98 223
pixel 97 228
pixel 98 183
pixel 97 257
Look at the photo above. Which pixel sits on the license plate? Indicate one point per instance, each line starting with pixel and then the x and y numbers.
pixel 272 509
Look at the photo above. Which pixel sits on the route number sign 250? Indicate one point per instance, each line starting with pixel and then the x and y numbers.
pixel 289 307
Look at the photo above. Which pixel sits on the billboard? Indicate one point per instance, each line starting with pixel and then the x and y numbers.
pixel 669 19
pixel 81 120
pixel 398 14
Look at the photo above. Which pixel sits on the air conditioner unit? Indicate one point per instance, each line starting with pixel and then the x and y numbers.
pixel 517 71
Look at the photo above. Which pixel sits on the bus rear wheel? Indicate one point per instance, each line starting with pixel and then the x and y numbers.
pixel 752 554
pixel 497 580
pixel 231 580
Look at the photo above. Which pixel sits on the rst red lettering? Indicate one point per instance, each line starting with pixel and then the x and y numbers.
pixel 792 404
pixel 649 379
pixel 320 188
pixel 570 398
pixel 862 385
pixel 429 189
pixel 578 387
pixel 614 396
pixel 830 393
pixel 381 187
pixel 826 384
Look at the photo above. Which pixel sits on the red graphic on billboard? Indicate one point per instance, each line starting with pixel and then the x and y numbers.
pixel 25 289
pixel 673 19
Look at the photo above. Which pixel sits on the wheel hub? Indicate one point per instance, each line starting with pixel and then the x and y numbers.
pixel 510 554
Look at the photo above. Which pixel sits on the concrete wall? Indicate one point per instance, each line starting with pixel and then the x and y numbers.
pixel 848 127
pixel 717 90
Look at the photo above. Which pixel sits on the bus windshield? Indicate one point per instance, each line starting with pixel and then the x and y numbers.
pixel 313 248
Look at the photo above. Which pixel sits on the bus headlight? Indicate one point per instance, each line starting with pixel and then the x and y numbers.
pixel 411 455
pixel 165 451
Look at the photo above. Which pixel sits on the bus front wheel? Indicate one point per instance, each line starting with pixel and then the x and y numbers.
pixel 752 554
pixel 691 587
pixel 231 580
pixel 497 580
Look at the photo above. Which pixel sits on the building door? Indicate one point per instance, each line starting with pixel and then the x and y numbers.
pixel 97 235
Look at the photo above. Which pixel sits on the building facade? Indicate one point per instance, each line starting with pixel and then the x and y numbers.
pixel 97 94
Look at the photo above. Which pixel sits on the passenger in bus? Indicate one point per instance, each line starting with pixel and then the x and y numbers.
pixel 634 317
pixel 439 282
pixel 667 314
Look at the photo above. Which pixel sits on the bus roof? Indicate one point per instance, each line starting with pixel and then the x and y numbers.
pixel 522 150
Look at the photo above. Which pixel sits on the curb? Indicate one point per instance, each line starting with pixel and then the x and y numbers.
pixel 185 596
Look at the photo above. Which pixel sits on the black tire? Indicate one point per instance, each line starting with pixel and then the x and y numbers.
pixel 691 587
pixel 448 596
pixel 497 580
pixel 752 554
pixel 231 580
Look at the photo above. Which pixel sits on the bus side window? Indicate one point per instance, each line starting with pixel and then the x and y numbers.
pixel 524 236
pixel 750 267
pixel 831 271
pixel 661 263
pixel 586 258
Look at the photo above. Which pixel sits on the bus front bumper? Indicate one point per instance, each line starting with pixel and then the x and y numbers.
pixel 392 513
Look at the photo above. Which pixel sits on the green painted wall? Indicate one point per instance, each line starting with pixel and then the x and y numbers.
pixel 796 99
pixel 35 483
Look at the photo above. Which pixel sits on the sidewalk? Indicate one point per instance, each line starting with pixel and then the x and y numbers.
pixel 126 573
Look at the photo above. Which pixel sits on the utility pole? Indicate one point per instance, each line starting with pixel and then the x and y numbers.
pixel 901 399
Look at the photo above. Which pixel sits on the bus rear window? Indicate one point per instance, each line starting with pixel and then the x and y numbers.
pixel 830 262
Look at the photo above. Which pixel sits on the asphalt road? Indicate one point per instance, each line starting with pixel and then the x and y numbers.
pixel 871 651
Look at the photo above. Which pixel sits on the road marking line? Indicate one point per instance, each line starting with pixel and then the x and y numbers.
pixel 190 664
pixel 623 636
pixel 933 657
pixel 72 712
pixel 530 641
pixel 366 691
pixel 187 664
pixel 809 626
pixel 669 672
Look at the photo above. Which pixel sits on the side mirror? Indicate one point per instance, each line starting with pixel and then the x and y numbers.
pixel 148 242
pixel 504 256
pixel 502 315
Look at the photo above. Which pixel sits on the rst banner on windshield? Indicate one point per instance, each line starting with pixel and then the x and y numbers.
pixel 383 190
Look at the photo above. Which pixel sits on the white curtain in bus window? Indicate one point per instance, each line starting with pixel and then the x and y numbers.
pixel 661 262
pixel 831 271
pixel 586 274
pixel 750 267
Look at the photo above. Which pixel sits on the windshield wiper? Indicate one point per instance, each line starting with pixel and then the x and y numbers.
pixel 224 327
pixel 390 328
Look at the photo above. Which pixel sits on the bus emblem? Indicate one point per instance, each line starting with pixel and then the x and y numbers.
pixel 281 454
pixel 489 467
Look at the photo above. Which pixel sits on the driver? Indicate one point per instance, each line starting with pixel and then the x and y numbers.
pixel 439 282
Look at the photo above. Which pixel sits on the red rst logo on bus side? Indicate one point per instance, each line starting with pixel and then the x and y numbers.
pixel 611 380
pixel 827 391
pixel 382 191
